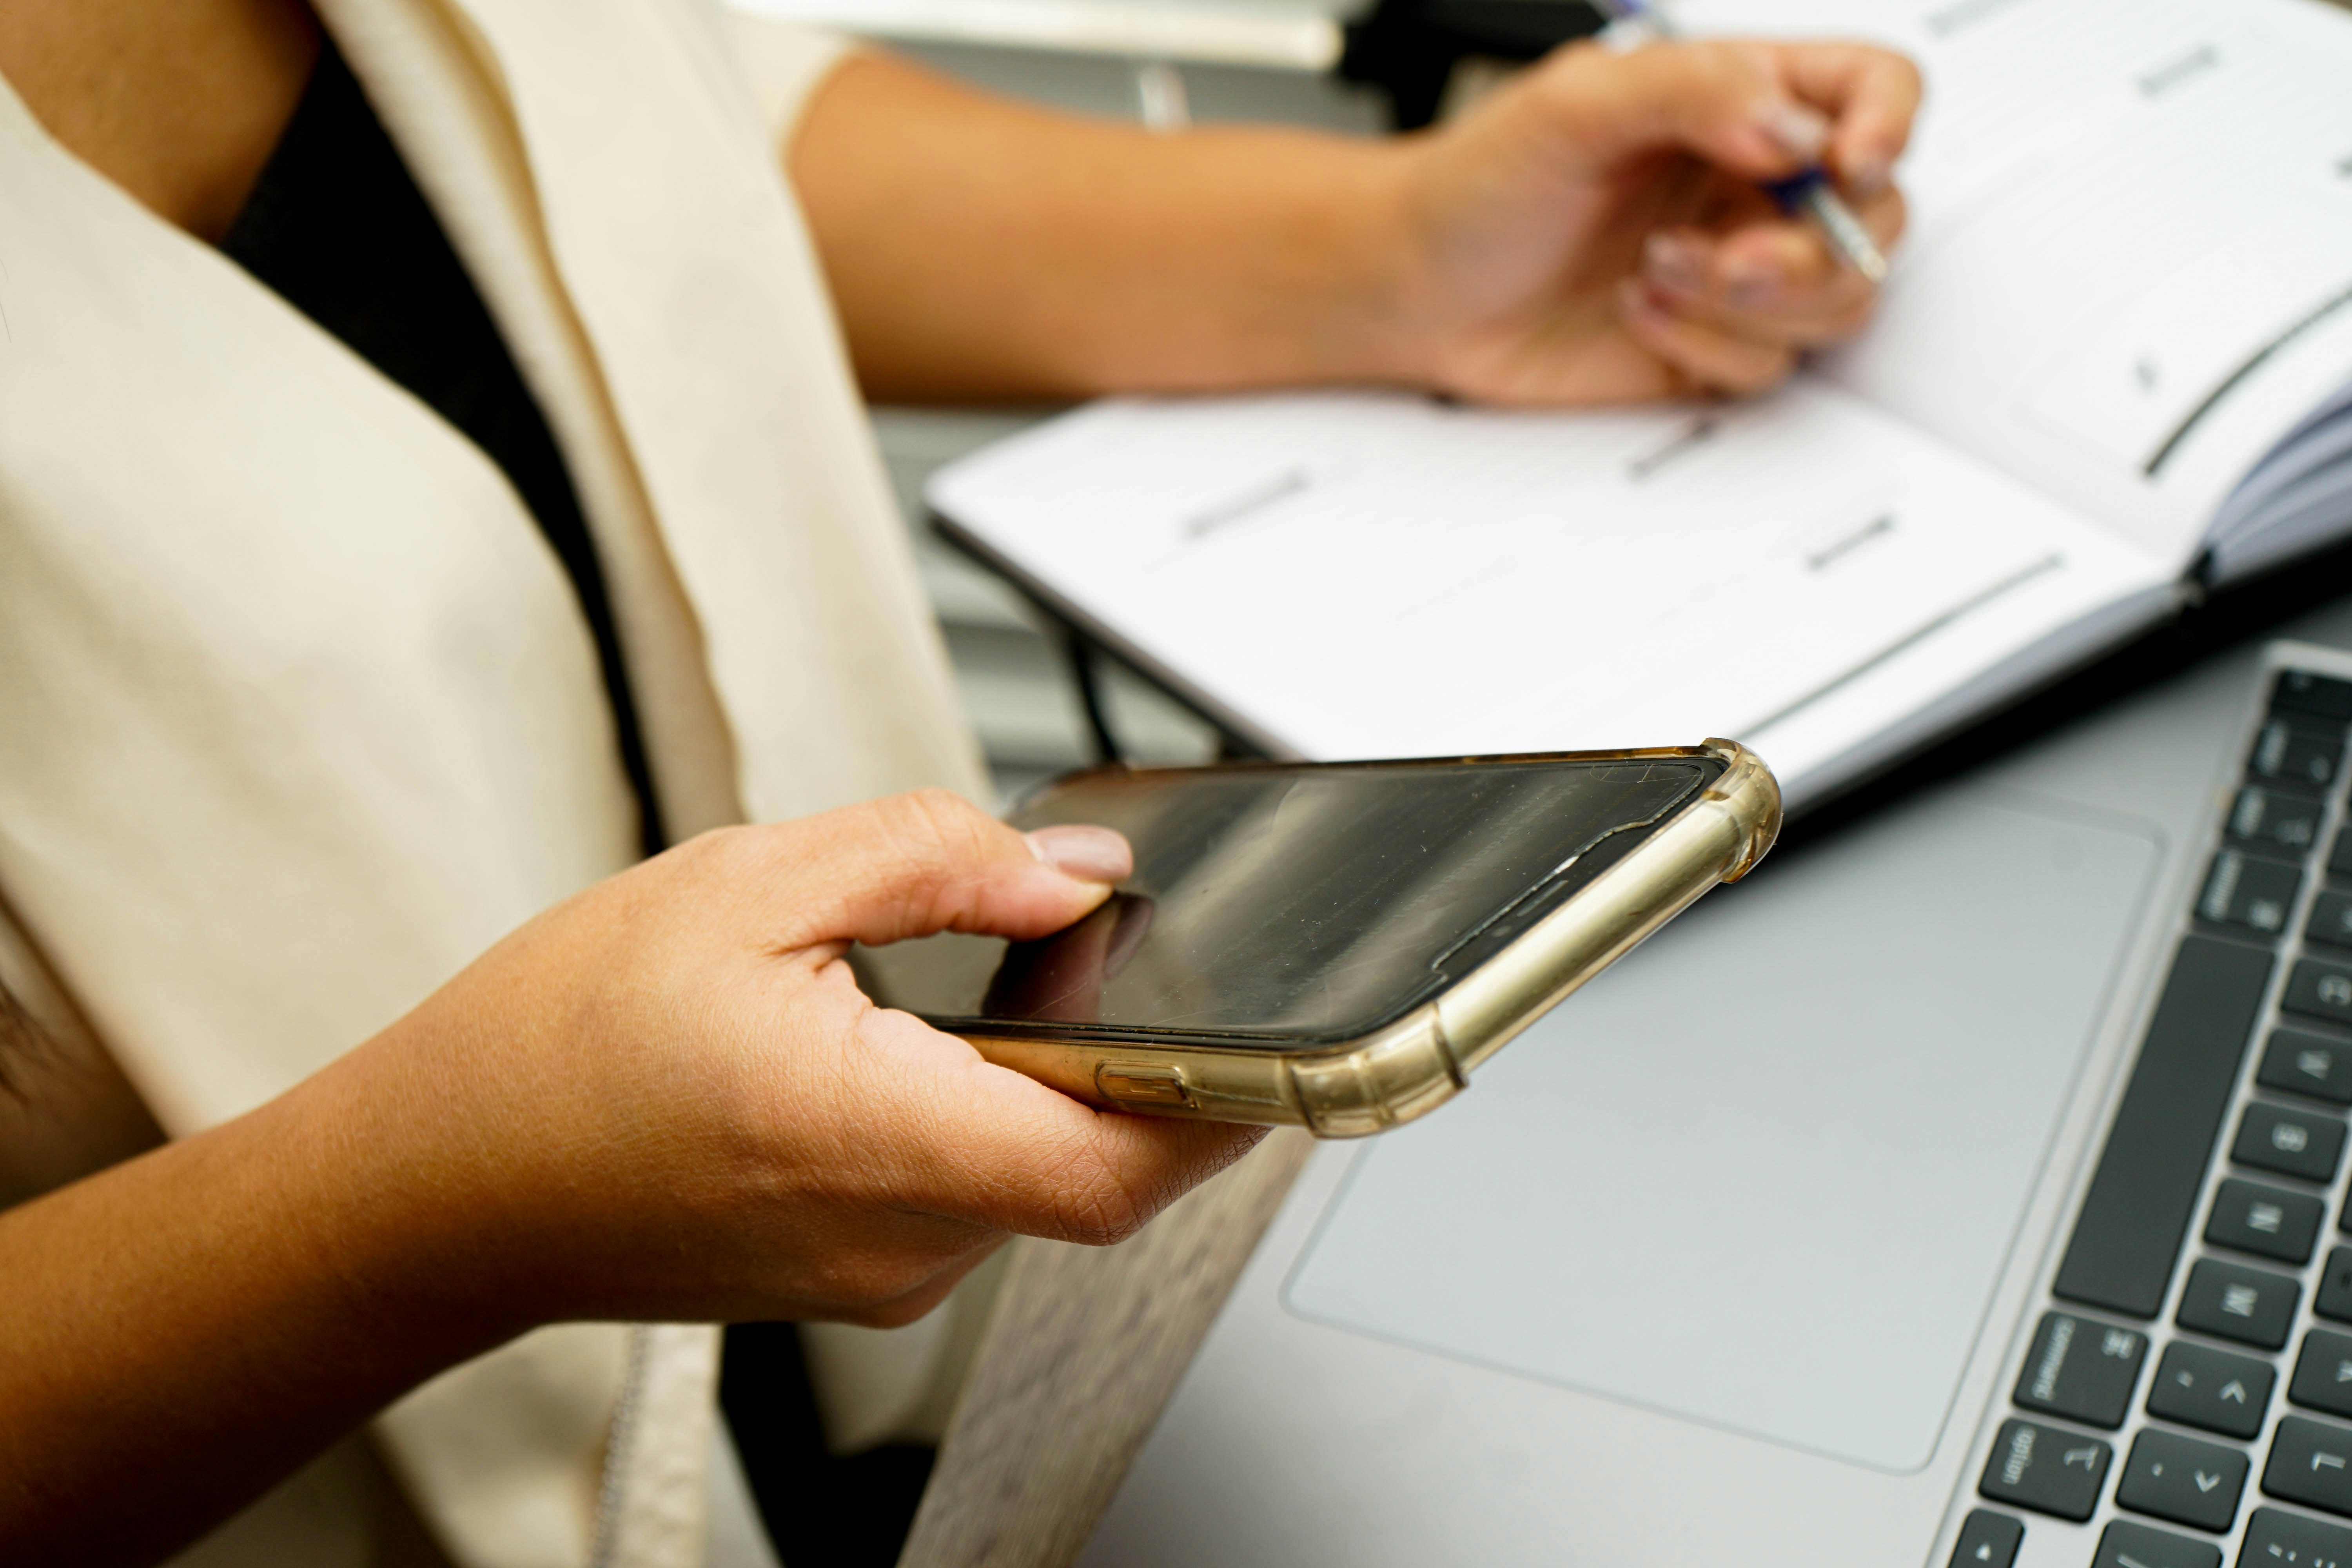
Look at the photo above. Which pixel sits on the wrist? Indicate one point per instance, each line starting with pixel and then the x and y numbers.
pixel 184 1329
pixel 1380 276
pixel 401 1210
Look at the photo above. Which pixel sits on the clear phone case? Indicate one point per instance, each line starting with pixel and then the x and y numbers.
pixel 1416 1063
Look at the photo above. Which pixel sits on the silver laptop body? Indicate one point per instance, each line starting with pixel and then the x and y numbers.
pixel 1752 1253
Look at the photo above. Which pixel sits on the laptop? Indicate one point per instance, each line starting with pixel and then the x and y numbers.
pixel 1964 1187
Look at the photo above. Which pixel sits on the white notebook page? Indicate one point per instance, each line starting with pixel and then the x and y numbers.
pixel 2129 271
pixel 1368 576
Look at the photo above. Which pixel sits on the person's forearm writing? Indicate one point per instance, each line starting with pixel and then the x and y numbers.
pixel 1591 234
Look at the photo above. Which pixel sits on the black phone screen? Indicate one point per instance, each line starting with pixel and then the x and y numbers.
pixel 1281 904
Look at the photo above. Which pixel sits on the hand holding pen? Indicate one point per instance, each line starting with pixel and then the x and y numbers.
pixel 1602 227
pixel 1810 191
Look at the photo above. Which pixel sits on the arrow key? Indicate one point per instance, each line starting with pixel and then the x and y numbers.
pixel 2127 1546
pixel 1988 1540
pixel 2311 1462
pixel 2198 1385
pixel 2274 1536
pixel 2183 1479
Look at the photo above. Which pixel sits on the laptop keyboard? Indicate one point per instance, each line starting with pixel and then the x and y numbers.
pixel 2224 1421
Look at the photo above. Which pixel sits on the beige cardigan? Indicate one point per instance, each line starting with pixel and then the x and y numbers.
pixel 296 712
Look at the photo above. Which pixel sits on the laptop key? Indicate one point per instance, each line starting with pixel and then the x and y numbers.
pixel 2081 1369
pixel 2339 858
pixel 2322 696
pixel 2277 1538
pixel 2293 752
pixel 2272 820
pixel 2218 1389
pixel 2124 1545
pixel 2331 919
pixel 2046 1468
pixel 2183 1479
pixel 2267 1221
pixel 2301 1063
pixel 2127 1240
pixel 2231 1301
pixel 2293 1143
pixel 2311 1463
pixel 2318 990
pixel 2322 1373
pixel 2246 891
pixel 2335 1298
pixel 1988 1540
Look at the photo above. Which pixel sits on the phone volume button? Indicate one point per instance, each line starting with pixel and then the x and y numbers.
pixel 1141 1083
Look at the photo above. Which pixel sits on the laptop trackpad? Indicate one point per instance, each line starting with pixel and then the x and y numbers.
pixel 1766 1171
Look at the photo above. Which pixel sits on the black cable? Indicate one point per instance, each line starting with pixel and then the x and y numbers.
pixel 1085 671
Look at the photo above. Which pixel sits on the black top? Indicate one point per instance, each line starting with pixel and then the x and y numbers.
pixel 338 229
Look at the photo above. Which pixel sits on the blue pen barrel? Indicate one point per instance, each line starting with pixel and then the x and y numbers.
pixel 1790 195
pixel 1809 195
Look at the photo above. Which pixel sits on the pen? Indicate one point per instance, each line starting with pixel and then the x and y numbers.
pixel 1809 193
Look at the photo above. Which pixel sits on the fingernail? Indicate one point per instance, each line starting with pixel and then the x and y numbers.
pixel 1635 299
pixel 1084 853
pixel 1867 176
pixel 1798 130
pixel 1749 282
pixel 1675 261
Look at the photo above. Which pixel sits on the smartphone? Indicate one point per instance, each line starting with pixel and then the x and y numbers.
pixel 1339 945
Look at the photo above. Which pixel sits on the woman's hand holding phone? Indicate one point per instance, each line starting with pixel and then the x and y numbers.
pixel 704 1117
pixel 664 1099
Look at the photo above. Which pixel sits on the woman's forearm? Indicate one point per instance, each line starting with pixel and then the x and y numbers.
pixel 1592 232
pixel 663 1101
pixel 981 247
pixel 181 1332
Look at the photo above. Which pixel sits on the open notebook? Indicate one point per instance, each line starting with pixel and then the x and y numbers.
pixel 2114 367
